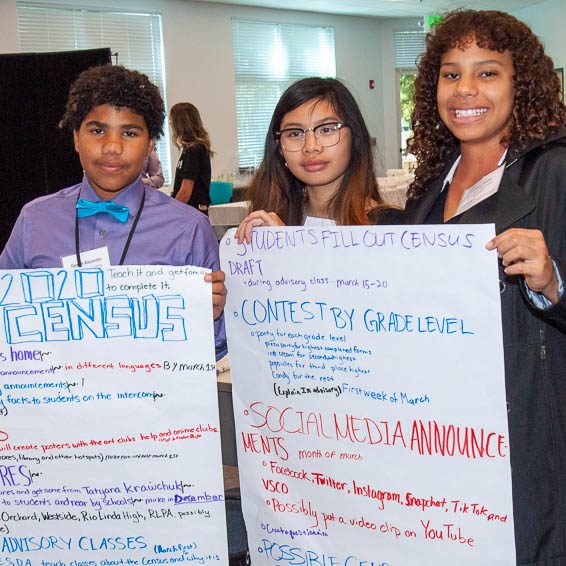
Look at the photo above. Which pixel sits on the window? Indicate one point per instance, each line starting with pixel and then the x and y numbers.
pixel 408 46
pixel 135 38
pixel 267 59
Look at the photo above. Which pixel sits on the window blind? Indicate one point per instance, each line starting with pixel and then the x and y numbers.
pixel 136 38
pixel 408 46
pixel 267 59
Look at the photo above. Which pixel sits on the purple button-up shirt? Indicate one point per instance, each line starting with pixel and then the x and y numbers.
pixel 168 233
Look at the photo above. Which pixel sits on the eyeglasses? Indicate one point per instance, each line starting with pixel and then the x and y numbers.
pixel 326 135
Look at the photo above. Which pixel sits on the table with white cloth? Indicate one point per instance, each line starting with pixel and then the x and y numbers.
pixel 395 195
pixel 223 216
pixel 393 189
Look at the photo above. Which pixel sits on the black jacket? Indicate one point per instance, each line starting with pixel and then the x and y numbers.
pixel 532 195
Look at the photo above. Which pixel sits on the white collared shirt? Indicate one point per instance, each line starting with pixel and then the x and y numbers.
pixel 318 221
pixel 488 185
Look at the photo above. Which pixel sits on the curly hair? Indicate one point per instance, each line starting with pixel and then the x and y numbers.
pixel 118 87
pixel 538 109
pixel 275 188
pixel 187 126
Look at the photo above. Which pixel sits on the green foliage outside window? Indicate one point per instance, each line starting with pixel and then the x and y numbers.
pixel 407 84
pixel 407 88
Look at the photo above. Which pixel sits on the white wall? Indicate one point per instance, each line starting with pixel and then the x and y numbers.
pixel 199 64
pixel 8 27
pixel 547 21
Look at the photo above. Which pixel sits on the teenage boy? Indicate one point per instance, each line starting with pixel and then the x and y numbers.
pixel 111 218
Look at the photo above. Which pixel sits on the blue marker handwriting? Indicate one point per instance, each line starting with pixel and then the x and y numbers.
pixel 150 317
pixel 256 311
pixel 263 241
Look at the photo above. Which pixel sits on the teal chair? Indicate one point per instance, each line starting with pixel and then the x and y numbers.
pixel 220 192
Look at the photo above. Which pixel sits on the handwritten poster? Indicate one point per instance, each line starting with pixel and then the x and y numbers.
pixel 368 385
pixel 109 438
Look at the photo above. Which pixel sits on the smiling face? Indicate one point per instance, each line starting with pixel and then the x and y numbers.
pixel 112 144
pixel 475 94
pixel 318 167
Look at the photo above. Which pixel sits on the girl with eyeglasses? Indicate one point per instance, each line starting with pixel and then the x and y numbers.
pixel 318 163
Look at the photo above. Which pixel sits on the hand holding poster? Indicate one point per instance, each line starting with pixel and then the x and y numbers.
pixel 109 433
pixel 369 396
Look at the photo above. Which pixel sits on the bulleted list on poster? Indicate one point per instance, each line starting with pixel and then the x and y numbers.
pixel 369 395
pixel 109 428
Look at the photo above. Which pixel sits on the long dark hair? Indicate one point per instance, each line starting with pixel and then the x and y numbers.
pixel 276 189
pixel 187 126
pixel 537 109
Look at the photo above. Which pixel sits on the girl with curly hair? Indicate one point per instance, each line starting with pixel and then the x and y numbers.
pixel 192 177
pixel 318 163
pixel 490 141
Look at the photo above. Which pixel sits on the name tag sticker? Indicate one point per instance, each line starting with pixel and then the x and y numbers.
pixel 98 257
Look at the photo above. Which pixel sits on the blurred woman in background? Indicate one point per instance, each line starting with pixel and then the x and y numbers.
pixel 192 176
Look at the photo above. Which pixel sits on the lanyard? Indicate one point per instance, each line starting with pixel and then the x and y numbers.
pixel 130 235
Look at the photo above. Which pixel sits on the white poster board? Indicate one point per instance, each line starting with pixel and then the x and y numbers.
pixel 109 429
pixel 369 396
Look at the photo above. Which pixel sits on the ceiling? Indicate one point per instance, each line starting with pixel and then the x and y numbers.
pixel 383 8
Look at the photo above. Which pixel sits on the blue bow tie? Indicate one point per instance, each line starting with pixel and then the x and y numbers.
pixel 87 208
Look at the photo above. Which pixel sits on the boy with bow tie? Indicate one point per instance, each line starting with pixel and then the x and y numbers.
pixel 111 217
